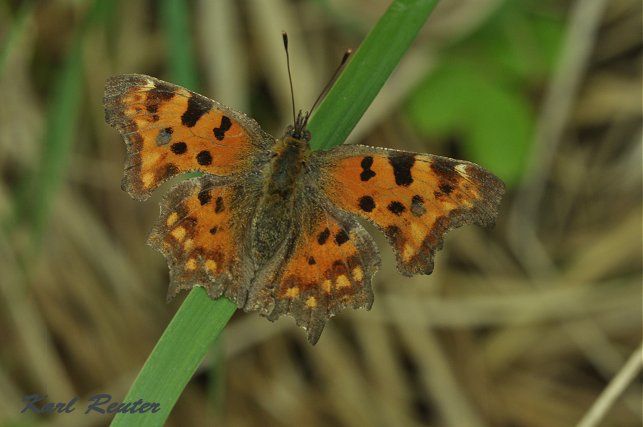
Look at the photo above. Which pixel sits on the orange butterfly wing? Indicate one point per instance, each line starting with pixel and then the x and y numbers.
pixel 413 198
pixel 326 266
pixel 199 231
pixel 171 130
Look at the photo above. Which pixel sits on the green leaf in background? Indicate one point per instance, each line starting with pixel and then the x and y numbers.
pixel 548 33
pixel 494 123
pixel 440 104
pixel 518 44
pixel 481 90
pixel 500 132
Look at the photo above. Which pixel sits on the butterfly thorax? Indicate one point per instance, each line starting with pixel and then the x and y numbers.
pixel 272 223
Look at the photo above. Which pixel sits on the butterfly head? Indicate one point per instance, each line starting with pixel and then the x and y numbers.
pixel 298 129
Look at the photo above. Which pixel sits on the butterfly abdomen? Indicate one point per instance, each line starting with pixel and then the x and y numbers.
pixel 272 223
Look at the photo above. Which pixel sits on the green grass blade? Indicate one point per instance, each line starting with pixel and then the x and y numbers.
pixel 200 320
pixel 367 72
pixel 17 30
pixel 38 191
pixel 175 17
pixel 176 356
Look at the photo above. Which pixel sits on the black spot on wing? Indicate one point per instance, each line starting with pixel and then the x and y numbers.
pixel 204 196
pixel 341 237
pixel 179 147
pixel 170 170
pixel 402 165
pixel 396 207
pixel 366 173
pixel 226 124
pixel 161 92
pixel 445 168
pixel 218 205
pixel 197 107
pixel 204 158
pixel 214 230
pixel 446 188
pixel 311 261
pixel 366 203
pixel 323 236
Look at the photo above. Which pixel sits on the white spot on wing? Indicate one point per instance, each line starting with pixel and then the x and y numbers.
pixel 462 169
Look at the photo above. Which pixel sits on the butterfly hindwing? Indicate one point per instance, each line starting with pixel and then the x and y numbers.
pixel 170 130
pixel 413 198
pixel 326 266
pixel 199 233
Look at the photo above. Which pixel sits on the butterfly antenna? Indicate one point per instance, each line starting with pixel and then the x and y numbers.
pixel 330 82
pixel 292 92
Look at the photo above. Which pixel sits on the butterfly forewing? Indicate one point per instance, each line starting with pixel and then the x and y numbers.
pixel 413 198
pixel 170 130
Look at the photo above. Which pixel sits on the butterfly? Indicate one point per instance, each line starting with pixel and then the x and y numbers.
pixel 273 225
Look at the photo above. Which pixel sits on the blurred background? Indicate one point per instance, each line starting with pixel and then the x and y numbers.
pixel 522 325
